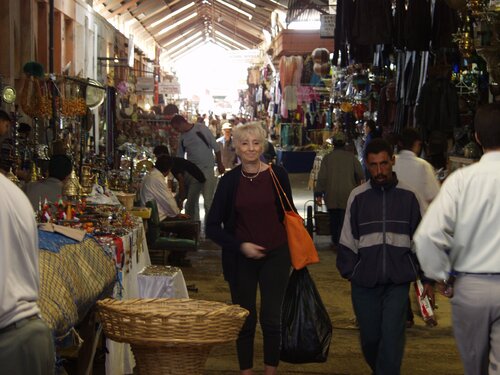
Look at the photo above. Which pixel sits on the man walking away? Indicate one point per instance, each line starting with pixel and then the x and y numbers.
pixel 460 237
pixel 418 175
pixel 340 172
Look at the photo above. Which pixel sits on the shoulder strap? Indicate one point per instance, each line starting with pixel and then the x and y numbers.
pixel 202 137
pixel 279 189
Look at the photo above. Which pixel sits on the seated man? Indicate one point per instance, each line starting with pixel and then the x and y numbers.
pixel 154 187
pixel 60 168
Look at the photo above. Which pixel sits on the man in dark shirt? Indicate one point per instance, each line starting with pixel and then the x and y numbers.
pixel 180 166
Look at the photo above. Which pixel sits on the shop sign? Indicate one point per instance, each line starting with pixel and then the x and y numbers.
pixel 169 88
pixel 327 27
pixel 145 85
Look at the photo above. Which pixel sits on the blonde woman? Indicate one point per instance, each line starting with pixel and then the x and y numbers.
pixel 246 221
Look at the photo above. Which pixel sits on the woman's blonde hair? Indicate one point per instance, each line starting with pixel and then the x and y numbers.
pixel 242 131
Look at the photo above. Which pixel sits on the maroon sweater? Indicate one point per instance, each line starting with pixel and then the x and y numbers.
pixel 257 218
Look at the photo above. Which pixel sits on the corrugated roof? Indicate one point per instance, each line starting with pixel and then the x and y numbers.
pixel 174 25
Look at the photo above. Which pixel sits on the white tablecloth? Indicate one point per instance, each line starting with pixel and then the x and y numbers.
pixel 171 285
pixel 119 359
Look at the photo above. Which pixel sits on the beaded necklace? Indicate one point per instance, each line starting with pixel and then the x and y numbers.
pixel 250 177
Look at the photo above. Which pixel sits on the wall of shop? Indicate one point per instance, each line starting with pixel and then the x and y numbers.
pixel 24 36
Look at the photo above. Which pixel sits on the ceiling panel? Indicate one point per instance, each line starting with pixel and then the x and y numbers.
pixel 213 17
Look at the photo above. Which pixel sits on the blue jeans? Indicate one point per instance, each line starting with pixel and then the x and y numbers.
pixel 381 313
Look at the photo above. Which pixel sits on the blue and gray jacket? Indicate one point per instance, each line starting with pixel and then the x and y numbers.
pixel 376 240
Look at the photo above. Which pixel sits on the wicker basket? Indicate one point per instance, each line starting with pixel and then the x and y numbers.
pixel 170 336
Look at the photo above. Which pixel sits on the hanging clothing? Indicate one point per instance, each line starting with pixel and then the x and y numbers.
pixel 386 113
pixel 417 25
pixel 445 23
pixel 372 23
pixel 437 108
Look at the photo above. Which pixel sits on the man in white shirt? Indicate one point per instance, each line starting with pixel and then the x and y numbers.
pixel 26 345
pixel 415 172
pixel 459 238
pixel 154 186
pixel 418 175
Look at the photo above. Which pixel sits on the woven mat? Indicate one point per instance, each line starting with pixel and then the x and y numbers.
pixel 71 281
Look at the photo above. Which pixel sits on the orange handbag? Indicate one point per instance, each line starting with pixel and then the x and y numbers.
pixel 301 245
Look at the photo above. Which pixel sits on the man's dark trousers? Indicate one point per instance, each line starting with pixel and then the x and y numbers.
pixel 336 223
pixel 381 313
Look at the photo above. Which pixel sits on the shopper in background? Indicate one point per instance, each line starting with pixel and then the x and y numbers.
pixel 199 146
pixel 180 167
pixel 26 344
pixel 154 187
pixel 340 172
pixel 60 167
pixel 269 155
pixel 170 111
pixel 417 174
pixel 459 238
pixel 371 132
pixel 375 255
pixel 414 171
pixel 246 220
pixel 228 154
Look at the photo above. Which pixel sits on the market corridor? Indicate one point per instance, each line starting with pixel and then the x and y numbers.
pixel 428 350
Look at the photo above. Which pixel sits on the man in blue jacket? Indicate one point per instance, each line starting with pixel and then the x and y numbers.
pixel 376 255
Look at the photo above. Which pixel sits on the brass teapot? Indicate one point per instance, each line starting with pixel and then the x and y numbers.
pixel 87 179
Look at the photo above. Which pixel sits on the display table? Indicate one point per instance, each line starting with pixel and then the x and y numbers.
pixel 119 359
pixel 295 161
pixel 162 282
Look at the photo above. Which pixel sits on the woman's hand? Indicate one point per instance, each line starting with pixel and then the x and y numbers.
pixel 253 251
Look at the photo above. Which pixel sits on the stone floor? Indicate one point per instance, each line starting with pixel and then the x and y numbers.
pixel 428 350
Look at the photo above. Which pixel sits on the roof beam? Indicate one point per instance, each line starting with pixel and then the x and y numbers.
pixel 182 36
pixel 230 39
pixel 236 29
pixel 227 43
pixel 184 41
pixel 179 30
pixel 124 7
pixel 187 47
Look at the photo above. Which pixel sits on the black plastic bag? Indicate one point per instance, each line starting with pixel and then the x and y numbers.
pixel 306 328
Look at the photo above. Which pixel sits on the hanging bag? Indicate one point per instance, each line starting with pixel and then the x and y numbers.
pixel 301 245
pixel 306 328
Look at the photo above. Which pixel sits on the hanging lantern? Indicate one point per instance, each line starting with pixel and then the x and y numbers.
pixel 464 40
pixel 476 7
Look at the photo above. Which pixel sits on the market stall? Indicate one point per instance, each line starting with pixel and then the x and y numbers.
pixel 97 253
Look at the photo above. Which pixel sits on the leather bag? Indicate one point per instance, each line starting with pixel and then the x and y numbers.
pixel 301 245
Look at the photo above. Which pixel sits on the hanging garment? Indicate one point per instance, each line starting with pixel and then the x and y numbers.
pixel 445 23
pixel 417 25
pixel 438 107
pixel 399 25
pixel 386 113
pixel 372 23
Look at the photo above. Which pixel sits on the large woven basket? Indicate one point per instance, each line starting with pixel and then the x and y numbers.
pixel 170 336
